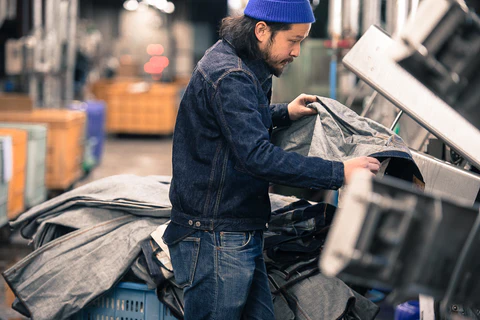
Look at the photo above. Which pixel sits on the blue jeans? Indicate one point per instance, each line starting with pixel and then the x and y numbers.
pixel 223 275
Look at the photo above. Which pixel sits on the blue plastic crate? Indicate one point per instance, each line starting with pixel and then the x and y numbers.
pixel 409 310
pixel 126 301
pixel 95 131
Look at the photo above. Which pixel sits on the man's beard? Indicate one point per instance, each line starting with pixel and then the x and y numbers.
pixel 273 64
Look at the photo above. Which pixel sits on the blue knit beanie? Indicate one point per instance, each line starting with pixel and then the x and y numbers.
pixel 285 11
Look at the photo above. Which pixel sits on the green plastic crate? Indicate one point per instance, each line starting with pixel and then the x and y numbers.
pixel 35 189
pixel 3 183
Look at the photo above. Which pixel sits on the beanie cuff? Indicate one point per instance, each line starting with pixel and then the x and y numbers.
pixel 283 11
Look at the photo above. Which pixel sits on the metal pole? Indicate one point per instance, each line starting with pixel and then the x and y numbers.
pixel 350 18
pixel 397 13
pixel 369 104
pixel 3 11
pixel 71 50
pixel 36 52
pixel 371 14
pixel 397 118
pixel 335 20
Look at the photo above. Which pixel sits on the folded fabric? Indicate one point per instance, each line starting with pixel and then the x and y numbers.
pixel 145 196
pixel 61 277
pixel 310 295
pixel 338 133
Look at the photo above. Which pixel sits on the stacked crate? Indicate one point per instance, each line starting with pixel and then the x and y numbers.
pixel 95 133
pixel 152 111
pixel 5 166
pixel 16 187
pixel 35 189
pixel 65 139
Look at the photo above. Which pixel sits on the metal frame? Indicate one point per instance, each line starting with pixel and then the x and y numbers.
pixel 370 60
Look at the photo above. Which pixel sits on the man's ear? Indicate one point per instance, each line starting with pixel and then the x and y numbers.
pixel 262 32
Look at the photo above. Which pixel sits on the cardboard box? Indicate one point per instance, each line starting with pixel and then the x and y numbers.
pixel 15 102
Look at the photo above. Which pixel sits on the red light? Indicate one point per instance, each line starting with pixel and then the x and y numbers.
pixel 155 49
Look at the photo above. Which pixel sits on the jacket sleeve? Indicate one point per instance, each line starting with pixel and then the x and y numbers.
pixel 239 115
pixel 280 117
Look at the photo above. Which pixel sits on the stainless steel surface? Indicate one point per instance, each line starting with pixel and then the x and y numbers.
pixel 446 179
pixel 412 133
pixel 369 59
pixel 428 16
pixel 342 238
pixel 441 179
pixel 389 235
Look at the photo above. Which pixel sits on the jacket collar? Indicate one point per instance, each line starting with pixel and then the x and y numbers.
pixel 258 66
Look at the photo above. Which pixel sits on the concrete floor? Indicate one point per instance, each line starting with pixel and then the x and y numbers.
pixel 122 155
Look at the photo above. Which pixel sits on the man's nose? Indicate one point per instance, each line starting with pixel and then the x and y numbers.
pixel 296 51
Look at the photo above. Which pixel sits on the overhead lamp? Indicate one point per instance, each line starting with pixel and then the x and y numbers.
pixel 169 7
pixel 130 5
pixel 160 4
pixel 235 4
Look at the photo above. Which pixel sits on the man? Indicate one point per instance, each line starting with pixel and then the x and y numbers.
pixel 223 162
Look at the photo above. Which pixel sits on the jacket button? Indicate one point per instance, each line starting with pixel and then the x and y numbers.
pixel 197 224
pixel 190 222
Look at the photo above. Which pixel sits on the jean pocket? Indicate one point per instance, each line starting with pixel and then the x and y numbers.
pixel 234 240
pixel 184 258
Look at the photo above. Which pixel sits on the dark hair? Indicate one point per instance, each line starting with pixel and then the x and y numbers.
pixel 240 31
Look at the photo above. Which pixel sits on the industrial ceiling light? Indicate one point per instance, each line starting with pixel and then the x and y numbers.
pixel 130 5
pixel 160 4
pixel 235 4
pixel 169 7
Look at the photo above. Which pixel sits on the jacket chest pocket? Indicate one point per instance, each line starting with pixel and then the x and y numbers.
pixel 264 110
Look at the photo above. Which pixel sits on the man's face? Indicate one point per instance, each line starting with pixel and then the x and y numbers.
pixel 280 50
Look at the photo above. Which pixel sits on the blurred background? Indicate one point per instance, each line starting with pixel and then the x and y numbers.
pixel 91 88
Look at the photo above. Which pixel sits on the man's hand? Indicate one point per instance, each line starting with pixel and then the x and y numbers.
pixel 297 108
pixel 368 163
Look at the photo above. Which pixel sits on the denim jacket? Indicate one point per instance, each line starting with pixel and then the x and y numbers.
pixel 223 159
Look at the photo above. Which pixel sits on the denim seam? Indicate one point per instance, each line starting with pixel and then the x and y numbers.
pixel 222 183
pixel 235 70
pixel 268 78
pixel 222 118
pixel 239 70
pixel 222 248
pixel 212 178
pixel 205 77
pixel 216 272
pixel 194 264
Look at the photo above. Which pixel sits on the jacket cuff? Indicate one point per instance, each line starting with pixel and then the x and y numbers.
pixel 338 175
pixel 280 117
